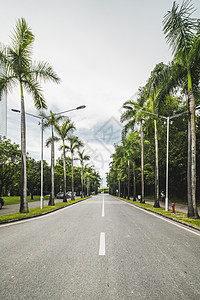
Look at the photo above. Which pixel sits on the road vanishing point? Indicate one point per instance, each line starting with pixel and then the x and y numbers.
pixel 101 248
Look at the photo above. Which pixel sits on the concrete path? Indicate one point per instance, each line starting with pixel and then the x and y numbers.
pixel 178 207
pixel 9 209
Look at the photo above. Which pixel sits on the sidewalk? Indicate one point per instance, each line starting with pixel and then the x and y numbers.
pixel 9 209
pixel 178 207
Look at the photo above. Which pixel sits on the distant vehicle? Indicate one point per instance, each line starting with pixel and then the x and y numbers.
pixel 60 195
pixel 1 203
pixel 69 194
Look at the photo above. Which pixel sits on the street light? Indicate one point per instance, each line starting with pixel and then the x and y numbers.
pixel 65 111
pixel 42 118
pixel 167 155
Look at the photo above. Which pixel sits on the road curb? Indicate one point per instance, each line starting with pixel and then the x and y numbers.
pixel 167 217
pixel 39 215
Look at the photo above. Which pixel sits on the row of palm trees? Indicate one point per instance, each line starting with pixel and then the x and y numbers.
pixel 65 135
pixel 181 76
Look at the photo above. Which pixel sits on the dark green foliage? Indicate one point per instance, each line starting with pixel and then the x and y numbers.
pixel 10 166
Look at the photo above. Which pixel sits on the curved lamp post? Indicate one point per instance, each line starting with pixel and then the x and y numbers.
pixel 167 151
pixel 41 119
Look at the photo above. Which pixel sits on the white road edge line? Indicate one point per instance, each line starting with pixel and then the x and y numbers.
pixel 163 218
pixel 102 244
pixel 103 211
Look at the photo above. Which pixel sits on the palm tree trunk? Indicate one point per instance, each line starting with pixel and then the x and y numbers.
pixel 88 186
pixel 128 180
pixel 189 185
pixel 81 180
pixel 64 173
pixel 142 165
pixel 191 106
pixel 72 158
pixel 134 183
pixel 124 190
pixel 119 188
pixel 156 203
pixel 84 187
pixel 51 200
pixel 23 202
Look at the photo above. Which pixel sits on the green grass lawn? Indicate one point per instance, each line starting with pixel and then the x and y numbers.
pixel 38 211
pixel 178 215
pixel 16 199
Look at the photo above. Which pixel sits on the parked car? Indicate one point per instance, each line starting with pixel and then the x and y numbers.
pixel 60 195
pixel 1 203
pixel 69 194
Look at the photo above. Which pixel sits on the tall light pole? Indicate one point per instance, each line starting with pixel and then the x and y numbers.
pixel 167 151
pixel 41 120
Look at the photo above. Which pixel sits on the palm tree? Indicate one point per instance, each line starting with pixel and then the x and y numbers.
pixel 52 121
pixel 152 108
pixel 132 145
pixel 85 171
pixel 156 203
pixel 134 116
pixel 74 144
pixel 82 158
pixel 63 131
pixel 117 165
pixel 128 152
pixel 182 34
pixel 19 69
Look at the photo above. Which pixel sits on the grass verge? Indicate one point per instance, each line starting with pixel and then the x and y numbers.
pixel 181 216
pixel 37 211
pixel 16 199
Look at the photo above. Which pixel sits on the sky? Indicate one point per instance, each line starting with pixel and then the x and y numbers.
pixel 103 51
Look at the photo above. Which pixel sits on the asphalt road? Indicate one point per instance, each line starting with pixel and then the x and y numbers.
pixel 101 248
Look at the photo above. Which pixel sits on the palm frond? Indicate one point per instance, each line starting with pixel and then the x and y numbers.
pixel 129 126
pixel 43 70
pixel 22 38
pixel 7 83
pixel 33 87
pixel 179 26
pixel 65 128
pixel 52 119
pixel 50 140
pixel 75 143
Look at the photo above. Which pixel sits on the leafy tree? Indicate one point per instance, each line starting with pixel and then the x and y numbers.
pixel 33 176
pixel 9 164
pixel 19 69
